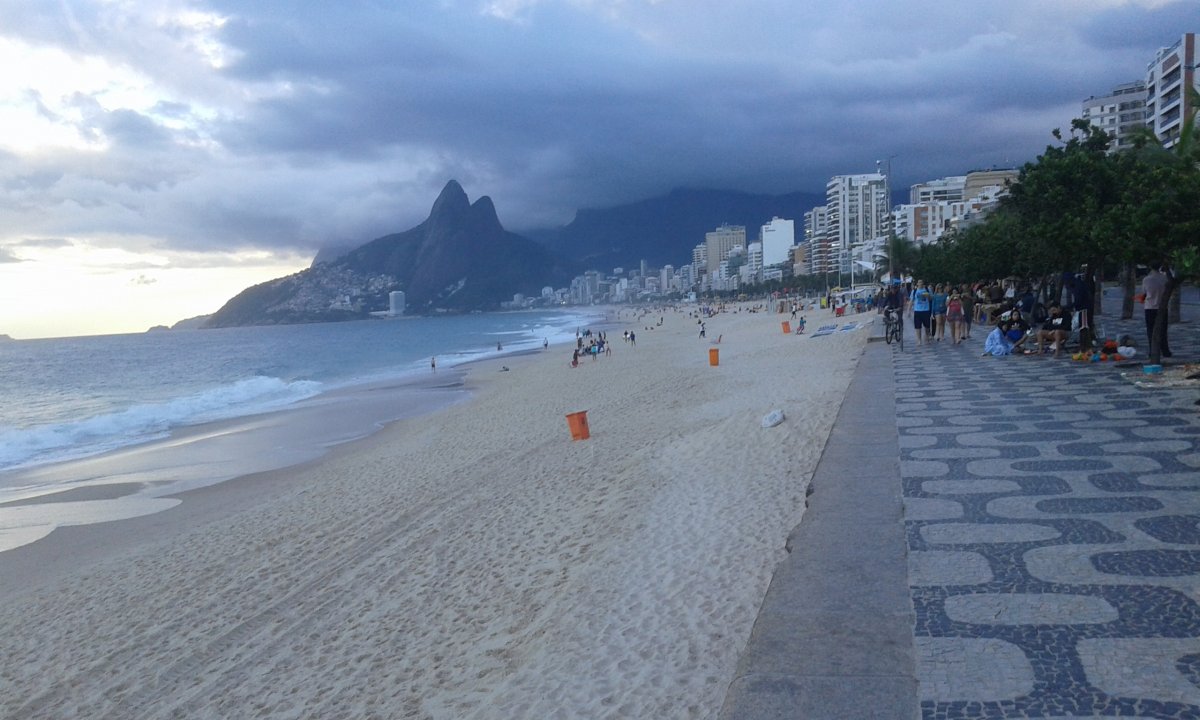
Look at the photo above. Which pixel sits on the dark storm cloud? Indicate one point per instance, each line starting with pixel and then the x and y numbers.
pixel 343 120
pixel 1133 26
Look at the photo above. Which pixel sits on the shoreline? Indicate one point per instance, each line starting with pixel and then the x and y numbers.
pixel 153 476
pixel 497 568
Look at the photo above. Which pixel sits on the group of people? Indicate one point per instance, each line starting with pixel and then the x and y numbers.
pixel 1013 330
pixel 597 344
pixel 1014 314
pixel 934 310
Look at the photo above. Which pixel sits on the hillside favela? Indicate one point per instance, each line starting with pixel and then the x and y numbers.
pixel 610 360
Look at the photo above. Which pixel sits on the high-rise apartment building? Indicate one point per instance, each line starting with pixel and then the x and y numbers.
pixel 800 259
pixel 856 216
pixel 815 226
pixel 752 270
pixel 777 237
pixel 1120 113
pixel 720 241
pixel 1168 76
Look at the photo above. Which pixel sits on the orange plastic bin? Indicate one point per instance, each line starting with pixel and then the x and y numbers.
pixel 577 422
pixel 787 327
pixel 714 356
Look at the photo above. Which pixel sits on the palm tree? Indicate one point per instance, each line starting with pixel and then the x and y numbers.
pixel 900 255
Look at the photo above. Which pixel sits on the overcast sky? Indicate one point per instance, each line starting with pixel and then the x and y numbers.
pixel 162 136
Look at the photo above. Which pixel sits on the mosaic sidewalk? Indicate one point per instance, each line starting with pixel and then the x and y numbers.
pixel 1052 517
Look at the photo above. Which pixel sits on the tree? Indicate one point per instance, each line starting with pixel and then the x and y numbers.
pixel 900 255
pixel 1163 206
pixel 1058 199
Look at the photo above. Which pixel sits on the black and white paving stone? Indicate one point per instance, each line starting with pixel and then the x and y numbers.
pixel 1052 514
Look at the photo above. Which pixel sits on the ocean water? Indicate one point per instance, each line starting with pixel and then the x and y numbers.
pixel 151 414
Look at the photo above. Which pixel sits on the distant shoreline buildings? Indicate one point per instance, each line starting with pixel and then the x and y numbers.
pixel 848 234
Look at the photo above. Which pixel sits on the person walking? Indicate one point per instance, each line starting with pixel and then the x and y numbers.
pixel 1154 285
pixel 938 310
pixel 954 316
pixel 921 301
pixel 968 306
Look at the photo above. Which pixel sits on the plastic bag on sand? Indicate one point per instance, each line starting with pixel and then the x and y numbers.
pixel 772 418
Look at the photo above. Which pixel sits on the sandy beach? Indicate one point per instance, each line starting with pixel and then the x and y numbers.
pixel 473 563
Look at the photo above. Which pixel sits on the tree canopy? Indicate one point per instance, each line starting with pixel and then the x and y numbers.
pixel 1078 204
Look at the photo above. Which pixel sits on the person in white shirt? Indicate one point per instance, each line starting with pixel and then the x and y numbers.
pixel 1154 285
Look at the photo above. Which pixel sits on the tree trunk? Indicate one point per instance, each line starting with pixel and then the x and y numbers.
pixel 1175 307
pixel 1128 287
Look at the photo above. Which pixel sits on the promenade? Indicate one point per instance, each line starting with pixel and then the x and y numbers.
pixel 1038 529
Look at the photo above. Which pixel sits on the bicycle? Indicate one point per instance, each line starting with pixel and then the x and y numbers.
pixel 893 327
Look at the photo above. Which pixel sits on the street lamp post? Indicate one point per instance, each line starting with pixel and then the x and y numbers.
pixel 887 192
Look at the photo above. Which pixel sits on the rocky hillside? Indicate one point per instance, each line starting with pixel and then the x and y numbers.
pixel 459 259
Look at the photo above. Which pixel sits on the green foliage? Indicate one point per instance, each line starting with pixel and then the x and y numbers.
pixel 1078 204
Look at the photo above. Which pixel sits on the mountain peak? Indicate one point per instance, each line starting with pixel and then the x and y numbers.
pixel 451 202
pixel 484 211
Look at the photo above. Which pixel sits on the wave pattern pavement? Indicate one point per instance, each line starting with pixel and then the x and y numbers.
pixel 1052 513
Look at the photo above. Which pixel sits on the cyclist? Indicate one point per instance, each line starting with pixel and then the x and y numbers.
pixel 893 306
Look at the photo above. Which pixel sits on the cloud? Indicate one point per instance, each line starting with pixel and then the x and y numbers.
pixel 49 243
pixel 7 256
pixel 1138 27
pixel 227 126
pixel 142 280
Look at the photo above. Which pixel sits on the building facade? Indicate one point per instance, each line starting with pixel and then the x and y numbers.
pixel 857 211
pixel 1121 113
pixel 720 242
pixel 979 181
pixel 943 189
pixel 777 238
pixel 815 226
pixel 1168 76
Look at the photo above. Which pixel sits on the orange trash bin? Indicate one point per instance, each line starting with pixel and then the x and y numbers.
pixel 787 327
pixel 713 358
pixel 577 422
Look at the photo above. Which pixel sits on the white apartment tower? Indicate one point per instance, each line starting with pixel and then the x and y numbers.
pixel 857 215
pixel 777 237
pixel 751 272
pixel 1168 76
pixel 1120 113
pixel 815 226
pixel 720 241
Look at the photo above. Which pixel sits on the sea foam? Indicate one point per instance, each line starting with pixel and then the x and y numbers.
pixel 53 442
